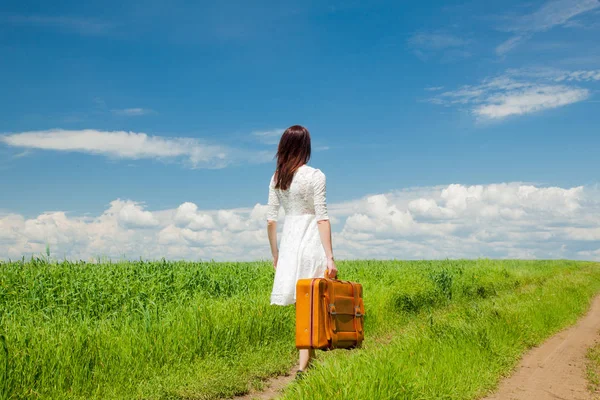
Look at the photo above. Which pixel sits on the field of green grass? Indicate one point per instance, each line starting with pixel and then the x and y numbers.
pixel 593 369
pixel 181 330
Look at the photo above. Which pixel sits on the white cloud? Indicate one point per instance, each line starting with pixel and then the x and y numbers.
pixel 131 145
pixel 552 14
pixel 554 75
pixel 269 137
pixel 133 112
pixel 131 215
pixel 508 220
pixel 520 92
pixel 579 76
pixel 510 44
pixel 589 254
pixel 187 215
pixel 429 208
pixel 587 234
pixel 530 100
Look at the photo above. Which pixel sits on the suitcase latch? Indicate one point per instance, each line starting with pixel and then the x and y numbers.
pixel 332 309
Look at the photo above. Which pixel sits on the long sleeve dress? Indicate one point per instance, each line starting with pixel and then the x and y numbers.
pixel 301 253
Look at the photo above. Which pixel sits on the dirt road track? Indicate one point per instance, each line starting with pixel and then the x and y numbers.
pixel 555 369
pixel 274 386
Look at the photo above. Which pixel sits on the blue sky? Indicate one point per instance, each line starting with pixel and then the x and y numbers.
pixel 395 95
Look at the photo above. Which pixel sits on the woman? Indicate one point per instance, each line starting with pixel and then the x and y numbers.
pixel 306 242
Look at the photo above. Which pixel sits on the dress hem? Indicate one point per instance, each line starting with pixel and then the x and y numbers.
pixel 282 300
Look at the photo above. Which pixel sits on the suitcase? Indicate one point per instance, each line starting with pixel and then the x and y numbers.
pixel 329 314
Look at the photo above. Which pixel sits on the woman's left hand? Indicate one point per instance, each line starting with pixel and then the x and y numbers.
pixel 331 269
pixel 275 259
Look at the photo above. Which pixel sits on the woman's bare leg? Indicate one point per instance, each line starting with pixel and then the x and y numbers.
pixel 306 355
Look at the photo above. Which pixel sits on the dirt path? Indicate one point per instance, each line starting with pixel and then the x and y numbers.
pixel 555 369
pixel 272 389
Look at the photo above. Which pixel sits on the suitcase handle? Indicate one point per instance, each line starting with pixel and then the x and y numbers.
pixel 327 275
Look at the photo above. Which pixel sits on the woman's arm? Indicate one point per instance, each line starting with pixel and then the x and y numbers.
pixel 272 233
pixel 325 233
pixel 272 216
pixel 323 223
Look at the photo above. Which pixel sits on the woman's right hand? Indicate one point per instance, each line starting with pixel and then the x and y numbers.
pixel 331 268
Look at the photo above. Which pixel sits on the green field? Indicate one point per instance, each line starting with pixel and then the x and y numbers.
pixel 181 330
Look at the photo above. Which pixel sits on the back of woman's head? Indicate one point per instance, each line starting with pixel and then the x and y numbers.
pixel 292 153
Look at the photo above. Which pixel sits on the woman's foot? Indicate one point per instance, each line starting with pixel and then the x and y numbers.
pixel 299 374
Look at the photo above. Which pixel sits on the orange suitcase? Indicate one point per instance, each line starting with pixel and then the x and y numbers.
pixel 329 314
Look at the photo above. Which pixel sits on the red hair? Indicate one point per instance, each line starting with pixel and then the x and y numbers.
pixel 292 153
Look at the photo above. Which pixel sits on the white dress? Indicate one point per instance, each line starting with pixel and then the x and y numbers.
pixel 301 253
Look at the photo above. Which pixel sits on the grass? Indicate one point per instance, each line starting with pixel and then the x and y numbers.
pixel 177 330
pixel 593 369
